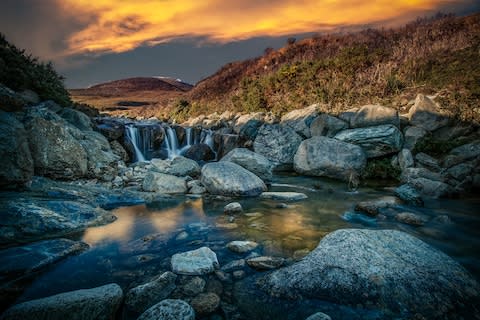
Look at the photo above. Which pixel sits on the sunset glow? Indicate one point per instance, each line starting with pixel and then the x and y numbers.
pixel 119 26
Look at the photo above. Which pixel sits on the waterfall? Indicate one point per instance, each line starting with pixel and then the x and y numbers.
pixel 188 133
pixel 208 139
pixel 134 137
pixel 172 143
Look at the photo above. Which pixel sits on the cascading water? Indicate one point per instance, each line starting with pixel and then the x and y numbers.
pixel 134 137
pixel 172 143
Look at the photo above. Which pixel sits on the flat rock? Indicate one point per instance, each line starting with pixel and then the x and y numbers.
pixel 284 196
pixel 384 268
pixel 169 309
pixel 195 262
pixel 146 295
pixel 234 265
pixel 241 246
pixel 265 262
pixel 373 207
pixel 96 303
pixel 410 218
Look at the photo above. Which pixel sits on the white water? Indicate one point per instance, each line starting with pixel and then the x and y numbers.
pixel 172 143
pixel 134 137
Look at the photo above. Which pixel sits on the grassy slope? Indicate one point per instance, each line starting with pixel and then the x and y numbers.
pixel 340 71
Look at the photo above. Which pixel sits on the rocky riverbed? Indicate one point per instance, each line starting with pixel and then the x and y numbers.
pixel 286 218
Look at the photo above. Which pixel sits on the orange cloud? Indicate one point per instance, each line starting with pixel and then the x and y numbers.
pixel 118 25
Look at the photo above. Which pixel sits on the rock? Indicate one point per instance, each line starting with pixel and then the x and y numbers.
pixel 55 151
pixel 26 220
pixel 195 262
pixel 253 162
pixel 30 258
pixel 169 309
pixel 196 187
pixel 246 119
pixel 96 303
pixel 284 196
pixel 227 142
pixel 427 161
pixel 76 118
pixel 409 194
pixel 461 171
pixel 319 316
pixel 112 130
pixel 300 120
pixel 241 246
pixel 101 161
pixel 17 162
pixel 194 286
pixel 425 114
pixel 373 207
pixel 265 262
pixel 238 274
pixel 233 208
pixel 205 303
pixel 164 183
pixel 375 115
pixel 463 153
pixel 412 136
pixel 431 188
pixel 200 152
pixel 234 265
pixel 119 151
pixel 230 179
pixel 450 133
pixel 278 144
pixel 375 141
pixel 179 166
pixel 250 129
pixel 146 295
pixel 405 159
pixel 321 156
pixel 327 125
pixel 410 174
pixel 384 268
pixel 410 218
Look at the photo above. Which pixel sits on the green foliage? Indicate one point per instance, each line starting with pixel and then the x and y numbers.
pixel 20 71
pixel 381 168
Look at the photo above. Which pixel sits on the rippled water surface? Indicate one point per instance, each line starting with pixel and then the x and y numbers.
pixel 140 243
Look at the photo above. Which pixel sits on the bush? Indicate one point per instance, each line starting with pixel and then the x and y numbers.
pixel 20 71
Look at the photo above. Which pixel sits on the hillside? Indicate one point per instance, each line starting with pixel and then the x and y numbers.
pixel 124 94
pixel 436 55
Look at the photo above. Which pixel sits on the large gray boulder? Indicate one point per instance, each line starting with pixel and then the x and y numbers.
pixel 55 150
pixel 196 262
pixel 278 144
pixel 179 166
pixel 322 156
pixel 375 115
pixel 426 114
pixel 169 309
pixel 17 162
pixel 77 118
pixel 146 295
pixel 101 161
pixel 227 178
pixel 412 135
pixel 96 303
pixel 301 119
pixel 376 141
pixel 251 161
pixel 164 183
pixel 327 125
pixel 383 268
pixel 246 118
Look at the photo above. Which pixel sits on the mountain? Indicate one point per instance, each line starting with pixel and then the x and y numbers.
pixel 431 55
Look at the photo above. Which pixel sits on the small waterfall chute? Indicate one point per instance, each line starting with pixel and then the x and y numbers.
pixel 133 136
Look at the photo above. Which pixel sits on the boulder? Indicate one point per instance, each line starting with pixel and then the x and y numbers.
pixel 205 303
pixel 146 295
pixel 200 152
pixel 384 268
pixel 230 179
pixel 253 162
pixel 426 114
pixel 300 120
pixel 322 156
pixel 17 162
pixel 119 150
pixel 462 153
pixel 194 286
pixel 405 159
pixel 409 194
pixel 195 187
pixel 111 129
pixel 431 188
pixel 373 207
pixel 246 118
pixel 375 115
pixel 164 183
pixel 179 166
pixel 412 136
pixel 195 262
pixel 410 218
pixel 427 161
pixel 55 150
pixel 101 161
pixel 250 129
pixel 327 125
pixel 26 259
pixel 241 246
pixel 409 174
pixel 375 141
pixel 96 303
pixel 79 119
pixel 319 316
pixel 227 142
pixel 169 309
pixel 233 208
pixel 278 144
pixel 284 196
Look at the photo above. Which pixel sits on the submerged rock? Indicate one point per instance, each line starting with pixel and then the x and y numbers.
pixel 253 162
pixel 241 246
pixel 233 208
pixel 96 303
pixel 409 194
pixel 169 309
pixel 230 179
pixel 195 262
pixel 284 196
pixel 205 303
pixel 265 262
pixel 410 218
pixel 373 207
pixel 383 268
pixel 322 156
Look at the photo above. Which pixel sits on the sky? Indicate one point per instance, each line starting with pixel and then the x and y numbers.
pixel 93 41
